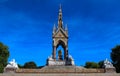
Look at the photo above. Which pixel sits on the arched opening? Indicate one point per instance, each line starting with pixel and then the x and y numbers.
pixel 60 53
pixel 60 50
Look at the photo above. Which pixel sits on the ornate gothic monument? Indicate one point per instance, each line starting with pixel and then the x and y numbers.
pixel 60 37
pixel 60 59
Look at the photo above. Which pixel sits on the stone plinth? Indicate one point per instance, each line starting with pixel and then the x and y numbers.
pixel 9 70
pixel 52 62
pixel 110 70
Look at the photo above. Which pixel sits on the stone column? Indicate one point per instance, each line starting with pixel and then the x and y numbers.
pixel 54 52
pixel 66 53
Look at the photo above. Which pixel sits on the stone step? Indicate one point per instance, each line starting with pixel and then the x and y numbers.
pixel 60 69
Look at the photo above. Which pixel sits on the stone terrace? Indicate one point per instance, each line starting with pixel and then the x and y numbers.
pixel 66 74
pixel 61 69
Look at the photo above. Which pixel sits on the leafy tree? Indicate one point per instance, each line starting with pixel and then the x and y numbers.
pixel 101 64
pixel 30 65
pixel 4 54
pixel 1 68
pixel 20 66
pixel 115 56
pixel 91 65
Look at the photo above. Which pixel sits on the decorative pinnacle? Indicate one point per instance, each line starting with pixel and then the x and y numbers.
pixel 60 7
pixel 66 28
pixel 60 17
pixel 54 28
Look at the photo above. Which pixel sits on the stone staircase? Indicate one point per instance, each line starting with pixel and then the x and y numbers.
pixel 60 69
pixel 69 69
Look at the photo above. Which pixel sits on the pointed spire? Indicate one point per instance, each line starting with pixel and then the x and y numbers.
pixel 66 28
pixel 54 29
pixel 60 10
pixel 60 17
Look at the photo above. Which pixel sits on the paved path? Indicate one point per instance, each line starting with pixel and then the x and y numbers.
pixel 70 74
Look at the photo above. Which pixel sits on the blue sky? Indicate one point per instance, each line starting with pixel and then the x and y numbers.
pixel 26 27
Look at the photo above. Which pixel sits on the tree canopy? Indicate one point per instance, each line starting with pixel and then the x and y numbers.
pixel 101 64
pixel 20 66
pixel 30 65
pixel 4 54
pixel 91 65
pixel 115 56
